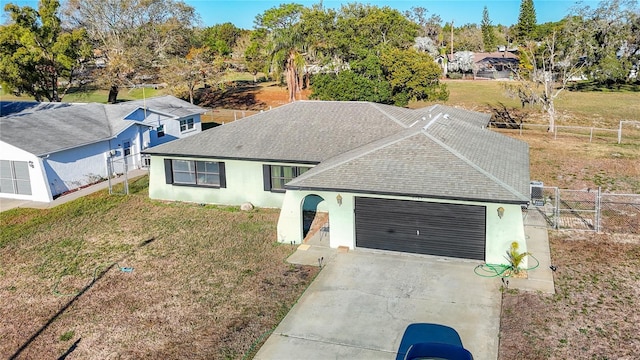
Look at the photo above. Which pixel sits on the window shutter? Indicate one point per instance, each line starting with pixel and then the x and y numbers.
pixel 266 176
pixel 223 175
pixel 168 171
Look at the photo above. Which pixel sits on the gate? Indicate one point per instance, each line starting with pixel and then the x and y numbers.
pixel 587 210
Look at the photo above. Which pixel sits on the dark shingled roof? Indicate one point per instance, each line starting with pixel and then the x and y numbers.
pixel 439 151
pixel 46 131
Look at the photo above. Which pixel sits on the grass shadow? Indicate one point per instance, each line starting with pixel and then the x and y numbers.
pixel 51 320
pixel 71 349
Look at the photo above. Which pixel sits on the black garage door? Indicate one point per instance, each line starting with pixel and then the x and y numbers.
pixel 451 230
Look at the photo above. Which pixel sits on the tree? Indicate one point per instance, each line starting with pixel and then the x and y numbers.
pixel 255 55
pixel 488 36
pixel 428 26
pixel 362 29
pixel 396 77
pixel 468 38
pixel 526 21
pixel 350 86
pixel 412 76
pixel 37 55
pixel 133 39
pixel 221 38
pixel 609 38
pixel 184 74
pixel 286 43
pixel 550 70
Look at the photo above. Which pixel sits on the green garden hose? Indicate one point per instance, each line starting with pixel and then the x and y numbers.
pixel 500 270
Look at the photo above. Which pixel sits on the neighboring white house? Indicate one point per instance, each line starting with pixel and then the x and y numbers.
pixel 430 181
pixel 45 153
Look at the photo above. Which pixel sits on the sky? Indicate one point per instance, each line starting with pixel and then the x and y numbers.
pixel 243 12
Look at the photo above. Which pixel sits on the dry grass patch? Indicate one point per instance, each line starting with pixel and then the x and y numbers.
pixel 207 281
pixel 594 313
pixel 573 163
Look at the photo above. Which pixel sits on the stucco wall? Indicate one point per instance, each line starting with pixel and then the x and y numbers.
pixel 244 184
pixel 76 167
pixel 499 232
pixel 39 189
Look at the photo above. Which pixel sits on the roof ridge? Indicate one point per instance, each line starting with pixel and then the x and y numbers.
pixel 475 166
pixel 393 118
pixel 385 142
pixel 108 120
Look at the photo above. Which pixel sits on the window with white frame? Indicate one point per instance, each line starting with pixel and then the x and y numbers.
pixel 14 177
pixel 186 124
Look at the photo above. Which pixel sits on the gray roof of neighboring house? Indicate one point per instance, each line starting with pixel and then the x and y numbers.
pixel 47 131
pixel 18 108
pixel 439 151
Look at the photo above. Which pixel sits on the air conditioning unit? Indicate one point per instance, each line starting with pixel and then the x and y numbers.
pixel 537 196
pixel 113 152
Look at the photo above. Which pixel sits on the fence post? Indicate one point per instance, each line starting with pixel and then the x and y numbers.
pixel 598 209
pixel 557 210
pixel 591 135
pixel 620 132
pixel 520 129
pixel 126 176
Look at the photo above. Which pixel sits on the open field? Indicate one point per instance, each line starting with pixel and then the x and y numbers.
pixel 207 282
pixel 597 109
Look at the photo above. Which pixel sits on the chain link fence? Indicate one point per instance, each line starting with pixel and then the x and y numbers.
pixel 587 210
pixel 620 213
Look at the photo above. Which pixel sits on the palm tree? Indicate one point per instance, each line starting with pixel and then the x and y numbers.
pixel 287 56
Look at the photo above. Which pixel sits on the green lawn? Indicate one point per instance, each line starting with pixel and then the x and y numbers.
pixel 98 96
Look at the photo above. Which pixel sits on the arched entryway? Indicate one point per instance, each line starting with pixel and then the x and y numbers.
pixel 315 220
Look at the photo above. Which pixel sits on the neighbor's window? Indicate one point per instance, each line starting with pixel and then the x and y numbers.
pixel 277 175
pixel 186 124
pixel 191 172
pixel 160 131
pixel 14 177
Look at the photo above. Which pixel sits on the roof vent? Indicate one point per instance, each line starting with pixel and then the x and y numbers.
pixel 446 116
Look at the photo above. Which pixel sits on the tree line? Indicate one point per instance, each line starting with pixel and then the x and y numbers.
pixel 356 52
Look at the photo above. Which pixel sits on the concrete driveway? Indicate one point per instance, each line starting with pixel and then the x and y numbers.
pixel 361 302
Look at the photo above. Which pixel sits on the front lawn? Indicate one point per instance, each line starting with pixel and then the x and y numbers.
pixel 126 277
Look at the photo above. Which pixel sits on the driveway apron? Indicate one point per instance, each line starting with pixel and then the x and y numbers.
pixel 361 302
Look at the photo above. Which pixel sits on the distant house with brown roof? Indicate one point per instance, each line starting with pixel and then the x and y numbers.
pixel 495 65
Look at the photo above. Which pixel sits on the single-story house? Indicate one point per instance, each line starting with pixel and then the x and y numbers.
pixel 430 181
pixel 45 152
pixel 495 65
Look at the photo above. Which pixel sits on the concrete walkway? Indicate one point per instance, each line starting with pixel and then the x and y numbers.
pixel 7 204
pixel 537 237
